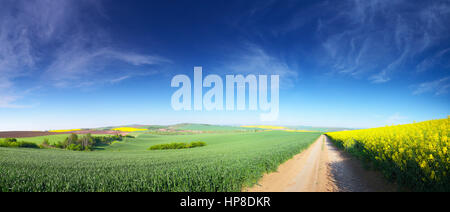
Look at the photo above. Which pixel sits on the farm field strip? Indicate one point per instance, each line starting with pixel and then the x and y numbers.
pixel 51 138
pixel 415 155
pixel 228 162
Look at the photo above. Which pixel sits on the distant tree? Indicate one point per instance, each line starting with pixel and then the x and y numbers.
pixel 89 140
pixel 46 143
pixel 10 140
pixel 72 139
pixel 86 141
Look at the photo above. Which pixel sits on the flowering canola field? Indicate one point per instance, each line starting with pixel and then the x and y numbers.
pixel 415 155
pixel 128 129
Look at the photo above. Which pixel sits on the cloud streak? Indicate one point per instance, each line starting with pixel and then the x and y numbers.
pixel 78 64
pixel 8 102
pixel 396 119
pixel 437 87
pixel 120 79
pixel 52 42
pixel 434 60
pixel 254 60
pixel 379 38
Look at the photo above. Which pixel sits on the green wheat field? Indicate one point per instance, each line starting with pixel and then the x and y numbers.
pixel 230 161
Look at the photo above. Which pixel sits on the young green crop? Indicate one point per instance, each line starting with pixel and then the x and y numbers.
pixel 22 144
pixel 228 163
pixel 177 145
pixel 52 139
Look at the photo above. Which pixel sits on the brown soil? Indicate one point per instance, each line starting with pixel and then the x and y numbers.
pixel 23 134
pixel 322 167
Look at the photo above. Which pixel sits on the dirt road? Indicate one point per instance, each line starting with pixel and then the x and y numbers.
pixel 322 167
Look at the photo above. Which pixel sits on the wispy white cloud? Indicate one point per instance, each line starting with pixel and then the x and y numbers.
pixel 433 60
pixel 437 87
pixel 396 119
pixel 10 102
pixel 381 36
pixel 383 76
pixel 116 80
pixel 77 65
pixel 50 41
pixel 254 60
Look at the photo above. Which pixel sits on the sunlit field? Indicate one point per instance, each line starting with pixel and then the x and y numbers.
pixel 227 162
pixel 416 155
pixel 128 129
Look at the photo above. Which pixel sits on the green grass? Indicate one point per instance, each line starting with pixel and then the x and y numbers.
pixel 18 144
pixel 177 145
pixel 52 139
pixel 228 162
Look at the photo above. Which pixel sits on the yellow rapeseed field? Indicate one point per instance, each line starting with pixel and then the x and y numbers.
pixel 128 129
pixel 416 155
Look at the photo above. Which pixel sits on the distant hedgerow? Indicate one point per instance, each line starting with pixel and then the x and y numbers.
pixel 177 145
pixel 84 143
pixel 12 142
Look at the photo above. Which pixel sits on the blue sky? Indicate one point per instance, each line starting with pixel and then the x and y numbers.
pixel 349 63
